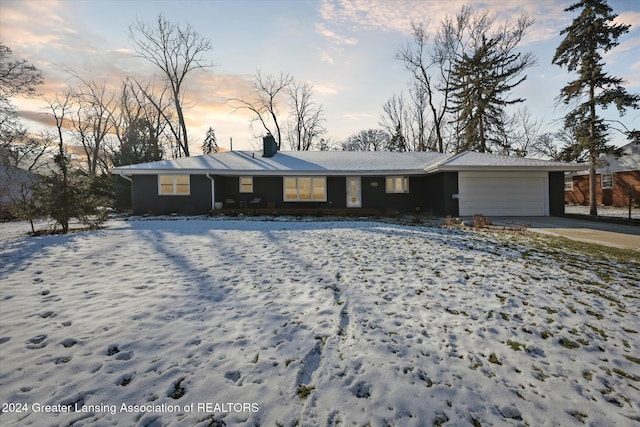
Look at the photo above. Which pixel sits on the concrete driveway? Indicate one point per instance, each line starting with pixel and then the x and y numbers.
pixel 616 235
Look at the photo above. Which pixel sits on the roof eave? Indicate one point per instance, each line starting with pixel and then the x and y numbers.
pixel 509 168
pixel 236 172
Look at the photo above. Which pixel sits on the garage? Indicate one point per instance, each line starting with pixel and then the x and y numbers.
pixel 503 193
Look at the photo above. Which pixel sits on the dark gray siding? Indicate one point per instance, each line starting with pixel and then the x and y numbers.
pixel 270 192
pixel 440 190
pixel 145 198
pixel 432 194
pixel 375 196
pixel 556 193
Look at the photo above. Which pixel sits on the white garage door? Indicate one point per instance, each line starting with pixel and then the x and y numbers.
pixel 503 193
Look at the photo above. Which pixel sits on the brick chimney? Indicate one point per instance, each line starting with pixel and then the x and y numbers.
pixel 269 146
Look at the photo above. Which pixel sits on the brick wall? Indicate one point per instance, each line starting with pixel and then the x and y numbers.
pixel 616 196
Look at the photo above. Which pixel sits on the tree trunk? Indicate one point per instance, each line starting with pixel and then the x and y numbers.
pixel 593 154
pixel 593 188
pixel 184 144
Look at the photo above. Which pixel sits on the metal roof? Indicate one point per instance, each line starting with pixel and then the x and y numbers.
pixel 470 160
pixel 293 162
pixel 339 163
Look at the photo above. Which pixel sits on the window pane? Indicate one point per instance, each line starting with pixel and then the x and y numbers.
pixel 389 184
pixel 246 184
pixel 166 184
pixel 318 188
pixel 182 184
pixel 166 188
pixel 405 186
pixel 304 188
pixel 398 184
pixel 182 179
pixel 290 189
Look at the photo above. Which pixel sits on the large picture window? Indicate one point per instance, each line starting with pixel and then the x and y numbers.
pixel 305 189
pixel 174 185
pixel 397 184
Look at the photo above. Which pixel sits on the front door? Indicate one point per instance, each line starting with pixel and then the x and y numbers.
pixel 354 192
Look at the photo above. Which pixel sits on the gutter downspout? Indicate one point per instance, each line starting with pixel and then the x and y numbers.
pixel 213 192
pixel 125 176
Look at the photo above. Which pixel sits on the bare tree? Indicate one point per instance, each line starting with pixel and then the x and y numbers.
pixel 60 199
pixel 24 150
pixel 139 122
pixel 16 77
pixel 94 106
pixel 519 134
pixel 394 121
pixel 307 116
pixel 268 93
pixel 176 51
pixel 367 140
pixel 431 69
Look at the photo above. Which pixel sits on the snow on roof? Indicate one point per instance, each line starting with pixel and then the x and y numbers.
pixel 629 161
pixel 338 163
pixel 289 162
pixel 470 160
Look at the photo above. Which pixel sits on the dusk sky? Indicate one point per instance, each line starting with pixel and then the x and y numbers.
pixel 345 49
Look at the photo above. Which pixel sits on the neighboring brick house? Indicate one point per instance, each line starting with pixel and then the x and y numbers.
pixel 614 180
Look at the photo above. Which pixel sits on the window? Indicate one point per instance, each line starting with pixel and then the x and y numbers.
pixel 397 184
pixel 606 180
pixel 568 183
pixel 246 184
pixel 305 189
pixel 179 185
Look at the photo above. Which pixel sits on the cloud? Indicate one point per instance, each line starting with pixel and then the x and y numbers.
pixel 336 38
pixel 325 88
pixel 629 17
pixel 356 116
pixel 327 57
pixel 629 44
pixel 398 15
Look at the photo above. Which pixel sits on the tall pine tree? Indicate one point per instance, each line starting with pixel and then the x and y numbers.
pixel 591 34
pixel 482 80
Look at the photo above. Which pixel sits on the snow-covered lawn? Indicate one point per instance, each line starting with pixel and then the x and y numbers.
pixel 214 322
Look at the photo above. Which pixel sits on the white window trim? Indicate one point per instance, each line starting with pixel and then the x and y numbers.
pixel 298 199
pixel 404 187
pixel 568 183
pixel 602 181
pixel 175 186
pixel 240 184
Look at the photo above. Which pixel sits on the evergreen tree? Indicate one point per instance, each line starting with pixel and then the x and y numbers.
pixel 482 80
pixel 210 144
pixel 397 142
pixel 590 34
pixel 138 144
